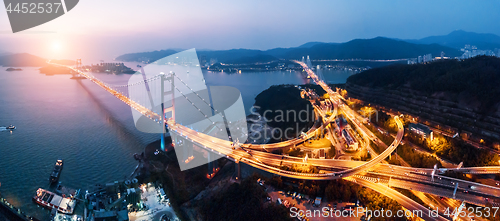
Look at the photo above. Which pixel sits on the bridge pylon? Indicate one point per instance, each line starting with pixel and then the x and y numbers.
pixel 78 64
pixel 213 166
pixel 164 92
pixel 238 168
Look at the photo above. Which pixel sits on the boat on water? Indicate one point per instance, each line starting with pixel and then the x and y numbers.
pixel 51 200
pixel 10 127
pixel 54 176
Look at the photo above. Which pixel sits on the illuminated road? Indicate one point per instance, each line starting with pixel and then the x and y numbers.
pixel 403 177
pixel 406 202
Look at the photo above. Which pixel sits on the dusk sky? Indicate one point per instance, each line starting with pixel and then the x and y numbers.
pixel 105 29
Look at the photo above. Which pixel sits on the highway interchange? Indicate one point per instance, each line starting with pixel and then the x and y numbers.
pixel 374 174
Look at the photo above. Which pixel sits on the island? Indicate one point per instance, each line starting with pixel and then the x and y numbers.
pixel 52 70
pixel 14 69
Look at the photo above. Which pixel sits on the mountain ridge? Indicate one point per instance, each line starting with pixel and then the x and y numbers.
pixel 379 48
pixel 459 38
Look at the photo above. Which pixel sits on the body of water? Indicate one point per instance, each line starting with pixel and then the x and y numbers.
pixel 57 117
pixel 251 84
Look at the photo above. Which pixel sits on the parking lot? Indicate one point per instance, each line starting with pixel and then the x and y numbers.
pixel 305 204
pixel 156 207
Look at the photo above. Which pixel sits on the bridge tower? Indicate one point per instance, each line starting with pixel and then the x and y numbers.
pixel 165 78
pixel 78 64
pixel 78 67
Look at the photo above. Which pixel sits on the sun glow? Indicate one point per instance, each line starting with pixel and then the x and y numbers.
pixel 56 46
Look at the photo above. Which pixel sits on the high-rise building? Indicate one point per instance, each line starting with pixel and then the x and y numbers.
pixel 427 58
pixel 309 62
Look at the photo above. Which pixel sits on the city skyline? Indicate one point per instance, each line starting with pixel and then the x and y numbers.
pixel 227 25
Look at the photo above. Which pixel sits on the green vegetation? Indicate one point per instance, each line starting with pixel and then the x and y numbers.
pixel 347 191
pixel 296 152
pixel 379 48
pixel 476 77
pixel 319 143
pixel 52 69
pixel 376 147
pixel 405 151
pixel 385 138
pixel 374 201
pixel 410 195
pixel 395 161
pixel 243 201
pixel 331 152
pixel 306 168
pixel 362 156
pixel 456 150
pixel 387 122
pixel 341 190
pixel 179 185
pixel 284 109
pixel 416 159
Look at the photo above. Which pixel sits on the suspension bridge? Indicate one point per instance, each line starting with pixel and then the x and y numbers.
pixel 140 96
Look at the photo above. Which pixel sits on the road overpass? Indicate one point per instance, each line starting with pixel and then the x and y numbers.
pixel 331 169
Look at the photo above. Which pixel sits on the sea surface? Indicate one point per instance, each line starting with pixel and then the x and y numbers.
pixel 75 120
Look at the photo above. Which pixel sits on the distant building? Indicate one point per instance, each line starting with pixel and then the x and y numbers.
pixel 421 130
pixel 472 51
pixel 419 59
pixel 427 58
